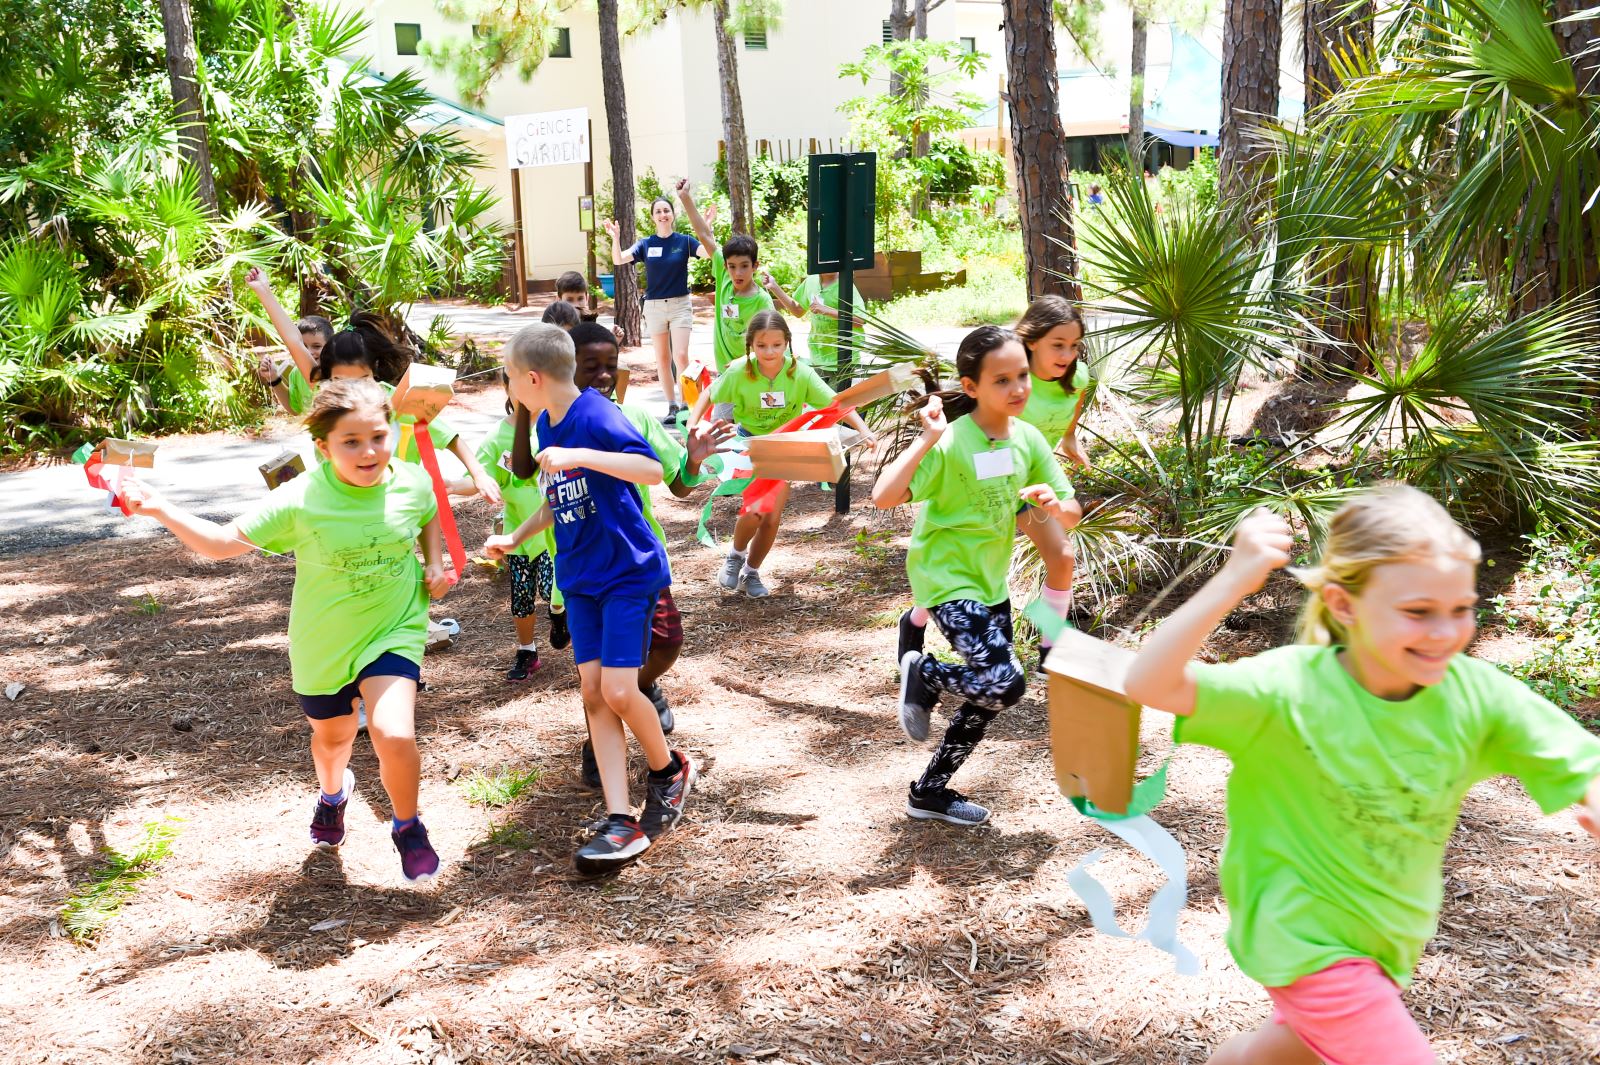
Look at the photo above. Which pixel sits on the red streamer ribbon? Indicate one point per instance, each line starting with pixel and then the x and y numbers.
pixel 761 496
pixel 92 468
pixel 447 517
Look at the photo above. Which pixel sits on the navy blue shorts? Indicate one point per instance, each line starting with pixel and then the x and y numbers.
pixel 342 702
pixel 616 629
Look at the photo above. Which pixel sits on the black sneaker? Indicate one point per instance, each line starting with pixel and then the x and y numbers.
pixel 947 805
pixel 527 663
pixel 591 768
pixel 618 843
pixel 663 710
pixel 663 802
pixel 911 637
pixel 670 419
pixel 917 699
pixel 560 636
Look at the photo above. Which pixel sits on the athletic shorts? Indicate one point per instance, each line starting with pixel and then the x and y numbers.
pixel 666 624
pixel 662 315
pixel 342 702
pixel 1351 1014
pixel 616 629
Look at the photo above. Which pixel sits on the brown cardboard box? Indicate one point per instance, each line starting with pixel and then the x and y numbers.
pixel 286 467
pixel 1094 727
pixel 140 453
pixel 884 383
pixel 621 390
pixel 807 455
pixel 424 391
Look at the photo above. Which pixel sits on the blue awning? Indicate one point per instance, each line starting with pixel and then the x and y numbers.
pixel 1179 138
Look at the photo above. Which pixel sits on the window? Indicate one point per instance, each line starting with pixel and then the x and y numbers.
pixel 755 38
pixel 969 45
pixel 407 35
pixel 888 31
pixel 561 45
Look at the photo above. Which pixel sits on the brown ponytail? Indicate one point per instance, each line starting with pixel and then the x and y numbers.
pixel 975 347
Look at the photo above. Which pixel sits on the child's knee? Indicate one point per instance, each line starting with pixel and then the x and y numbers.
pixel 1011 684
pixel 618 693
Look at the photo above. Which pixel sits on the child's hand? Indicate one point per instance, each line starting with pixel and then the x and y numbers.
pixel 560 459
pixel 266 370
pixel 498 547
pixel 489 491
pixel 1075 453
pixel 436 580
pixel 869 438
pixel 1044 497
pixel 682 186
pixel 140 499
pixel 610 226
pixel 257 280
pixel 705 438
pixel 1261 545
pixel 818 306
pixel 710 214
pixel 933 421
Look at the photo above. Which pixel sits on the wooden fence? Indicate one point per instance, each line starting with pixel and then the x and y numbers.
pixel 787 149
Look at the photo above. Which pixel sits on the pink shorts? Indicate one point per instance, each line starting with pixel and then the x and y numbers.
pixel 1350 1014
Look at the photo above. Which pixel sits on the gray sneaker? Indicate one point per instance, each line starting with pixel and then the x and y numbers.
pixel 917 700
pixel 754 586
pixel 947 805
pixel 729 577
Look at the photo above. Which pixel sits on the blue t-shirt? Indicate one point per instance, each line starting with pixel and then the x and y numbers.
pixel 605 545
pixel 666 264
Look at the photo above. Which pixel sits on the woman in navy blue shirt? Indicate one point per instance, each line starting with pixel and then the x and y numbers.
pixel 667 311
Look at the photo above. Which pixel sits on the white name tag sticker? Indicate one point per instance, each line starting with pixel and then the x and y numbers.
pixel 996 463
pixel 730 311
pixel 771 400
pixel 652 253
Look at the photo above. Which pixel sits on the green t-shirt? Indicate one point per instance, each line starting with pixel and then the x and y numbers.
pixel 733 313
pixel 1340 803
pixel 970 485
pixel 358 590
pixel 824 330
pixel 299 390
pixel 522 495
pixel 668 451
pixel 763 404
pixel 1050 408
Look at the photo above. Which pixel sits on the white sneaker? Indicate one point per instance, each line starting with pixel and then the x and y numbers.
pixel 729 577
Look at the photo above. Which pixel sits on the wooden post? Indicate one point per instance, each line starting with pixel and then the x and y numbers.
pixel 520 254
pixel 588 238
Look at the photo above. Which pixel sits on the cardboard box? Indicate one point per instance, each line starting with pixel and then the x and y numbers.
pixel 424 391
pixel 140 453
pixel 899 378
pixel 286 467
pixel 695 379
pixel 807 455
pixel 621 391
pixel 1094 726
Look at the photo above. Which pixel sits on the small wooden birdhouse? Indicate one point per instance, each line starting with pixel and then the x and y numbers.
pixel 1094 726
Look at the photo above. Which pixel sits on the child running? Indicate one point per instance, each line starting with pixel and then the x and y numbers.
pixel 1352 752
pixel 597 355
pixel 970 473
pixel 763 390
pixel 733 267
pixel 612 570
pixel 818 296
pixel 359 614
pixel 288 386
pixel 1052 333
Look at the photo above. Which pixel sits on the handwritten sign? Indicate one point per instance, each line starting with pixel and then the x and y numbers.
pixel 549 138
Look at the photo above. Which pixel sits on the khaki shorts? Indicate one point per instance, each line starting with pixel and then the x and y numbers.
pixel 661 315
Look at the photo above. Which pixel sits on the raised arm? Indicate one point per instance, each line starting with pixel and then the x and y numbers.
pixel 702 228
pixel 287 331
pixel 618 256
pixel 785 302
pixel 1162 675
pixel 894 484
pixel 204 537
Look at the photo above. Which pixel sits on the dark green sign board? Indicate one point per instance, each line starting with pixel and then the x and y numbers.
pixel 842 195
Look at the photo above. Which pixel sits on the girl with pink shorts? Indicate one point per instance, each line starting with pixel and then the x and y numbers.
pixel 1352 751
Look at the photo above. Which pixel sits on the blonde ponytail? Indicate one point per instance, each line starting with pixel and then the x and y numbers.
pixel 1395 523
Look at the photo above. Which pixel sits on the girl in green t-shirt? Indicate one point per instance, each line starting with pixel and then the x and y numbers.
pixel 975 463
pixel 766 389
pixel 359 615
pixel 1352 752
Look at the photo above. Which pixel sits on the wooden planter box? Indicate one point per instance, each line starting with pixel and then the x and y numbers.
pixel 897 272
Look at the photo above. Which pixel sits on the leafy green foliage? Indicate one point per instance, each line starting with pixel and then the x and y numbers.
pixel 92 904
pixel 499 788
pixel 1563 611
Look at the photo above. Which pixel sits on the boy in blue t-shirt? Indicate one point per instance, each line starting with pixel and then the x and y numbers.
pixel 611 571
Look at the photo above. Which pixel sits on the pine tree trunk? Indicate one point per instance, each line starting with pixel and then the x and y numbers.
pixel 1252 37
pixel 1328 28
pixel 919 31
pixel 1040 147
pixel 1136 67
pixel 733 130
pixel 189 106
pixel 627 307
pixel 900 29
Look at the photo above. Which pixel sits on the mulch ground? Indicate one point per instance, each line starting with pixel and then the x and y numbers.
pixel 796 915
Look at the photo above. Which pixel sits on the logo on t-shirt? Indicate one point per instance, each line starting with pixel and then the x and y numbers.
pixel 568 496
pixel 730 311
pixel 771 400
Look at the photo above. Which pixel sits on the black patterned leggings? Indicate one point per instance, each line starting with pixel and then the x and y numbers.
pixel 991 680
pixel 530 578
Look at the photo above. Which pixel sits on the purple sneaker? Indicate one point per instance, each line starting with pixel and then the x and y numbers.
pixel 418 860
pixel 327 821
